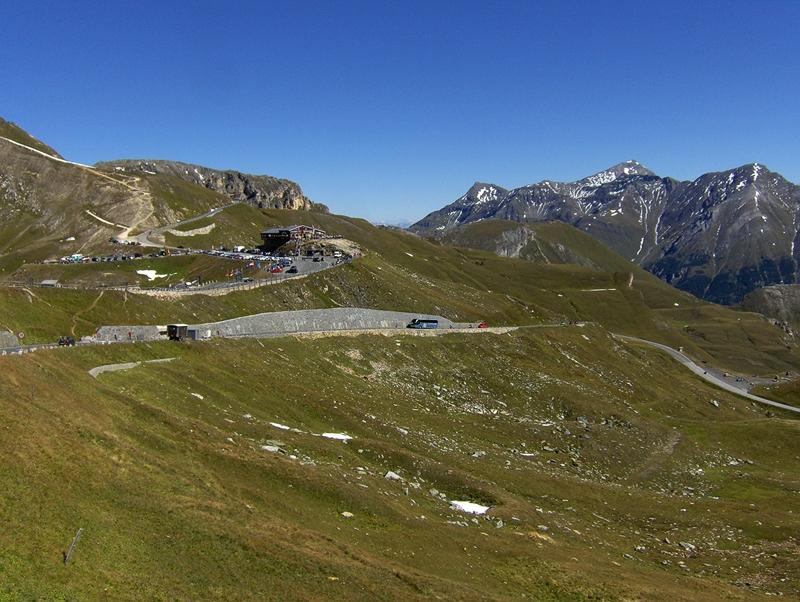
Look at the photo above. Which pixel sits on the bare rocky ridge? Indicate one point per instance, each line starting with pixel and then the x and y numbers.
pixel 780 302
pixel 718 237
pixel 260 191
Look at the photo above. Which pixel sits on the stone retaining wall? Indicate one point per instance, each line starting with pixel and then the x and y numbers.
pixel 284 322
pixel 7 339
pixel 314 320
pixel 129 333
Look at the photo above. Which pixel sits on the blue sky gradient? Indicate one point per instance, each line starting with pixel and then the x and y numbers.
pixel 388 110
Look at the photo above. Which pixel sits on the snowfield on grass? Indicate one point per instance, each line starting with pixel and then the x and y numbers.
pixel 468 507
pixel 151 274
pixel 337 436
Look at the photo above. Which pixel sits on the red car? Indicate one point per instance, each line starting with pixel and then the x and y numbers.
pixel 483 325
pixel 276 269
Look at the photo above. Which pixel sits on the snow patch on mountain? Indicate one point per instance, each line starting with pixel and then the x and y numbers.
pixel 486 194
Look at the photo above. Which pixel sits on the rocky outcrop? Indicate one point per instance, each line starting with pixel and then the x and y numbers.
pixel 264 192
pixel 542 242
pixel 507 242
pixel 779 302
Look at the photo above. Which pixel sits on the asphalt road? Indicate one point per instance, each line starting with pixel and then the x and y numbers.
pixel 144 237
pixel 708 376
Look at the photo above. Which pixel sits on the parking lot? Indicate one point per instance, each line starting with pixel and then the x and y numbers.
pixel 266 270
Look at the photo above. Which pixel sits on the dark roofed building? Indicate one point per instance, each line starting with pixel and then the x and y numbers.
pixel 274 238
pixel 277 237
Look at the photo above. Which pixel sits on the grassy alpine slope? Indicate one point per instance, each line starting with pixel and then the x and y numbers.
pixel 785 392
pixel 609 473
pixel 401 271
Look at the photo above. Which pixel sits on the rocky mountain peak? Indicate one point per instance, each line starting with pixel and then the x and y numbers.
pixel 754 171
pixel 481 192
pixel 620 170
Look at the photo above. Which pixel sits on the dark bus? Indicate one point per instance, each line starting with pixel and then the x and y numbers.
pixel 177 332
pixel 423 324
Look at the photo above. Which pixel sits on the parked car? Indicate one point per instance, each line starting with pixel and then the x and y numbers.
pixel 66 342
pixel 483 324
pixel 276 269
pixel 292 270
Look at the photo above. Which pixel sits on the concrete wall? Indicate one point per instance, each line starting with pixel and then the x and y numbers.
pixel 283 322
pixel 311 320
pixel 7 339
pixel 120 333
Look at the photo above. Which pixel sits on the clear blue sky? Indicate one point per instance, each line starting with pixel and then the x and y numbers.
pixel 388 110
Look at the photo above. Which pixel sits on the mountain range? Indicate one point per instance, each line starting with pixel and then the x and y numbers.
pixel 719 236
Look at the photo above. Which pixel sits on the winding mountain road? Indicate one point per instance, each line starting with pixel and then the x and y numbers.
pixel 704 374
pixel 144 237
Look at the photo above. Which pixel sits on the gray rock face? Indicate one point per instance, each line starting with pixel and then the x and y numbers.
pixel 718 237
pixel 7 339
pixel 259 191
pixel 780 302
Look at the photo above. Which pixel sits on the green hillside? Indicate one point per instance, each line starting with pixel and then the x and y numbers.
pixel 401 271
pixel 785 392
pixel 588 452
pixel 543 242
